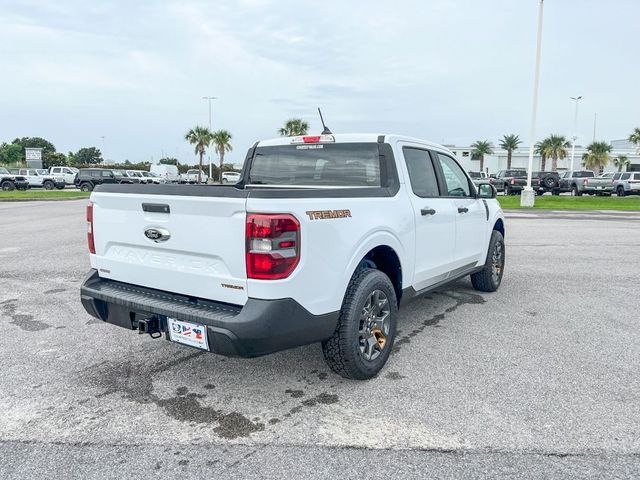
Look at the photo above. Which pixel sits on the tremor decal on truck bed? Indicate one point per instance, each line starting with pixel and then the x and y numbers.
pixel 327 214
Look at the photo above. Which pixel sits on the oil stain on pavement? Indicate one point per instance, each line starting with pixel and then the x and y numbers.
pixel 24 321
pixel 135 383
pixel 460 297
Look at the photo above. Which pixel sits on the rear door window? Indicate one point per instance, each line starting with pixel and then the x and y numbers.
pixel 421 172
pixel 456 181
pixel 625 176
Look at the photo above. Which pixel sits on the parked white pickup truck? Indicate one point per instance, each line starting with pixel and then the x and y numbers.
pixel 322 240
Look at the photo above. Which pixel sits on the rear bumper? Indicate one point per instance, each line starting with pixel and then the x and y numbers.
pixel 258 328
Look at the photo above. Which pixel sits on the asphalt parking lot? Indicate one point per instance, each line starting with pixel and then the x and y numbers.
pixel 538 380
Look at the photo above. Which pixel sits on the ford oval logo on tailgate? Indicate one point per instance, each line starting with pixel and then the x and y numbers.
pixel 157 234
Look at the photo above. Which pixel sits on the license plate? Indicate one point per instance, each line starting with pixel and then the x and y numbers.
pixel 188 333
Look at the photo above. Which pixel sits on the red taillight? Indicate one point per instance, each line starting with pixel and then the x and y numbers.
pixel 513 181
pixel 272 245
pixel 90 242
pixel 311 139
pixel 585 181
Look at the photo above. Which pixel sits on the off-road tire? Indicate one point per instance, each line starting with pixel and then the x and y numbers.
pixel 342 351
pixel 86 187
pixel 620 191
pixel 550 181
pixel 48 185
pixel 7 186
pixel 485 280
pixel 575 192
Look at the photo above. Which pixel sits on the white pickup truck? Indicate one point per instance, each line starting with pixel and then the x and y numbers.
pixel 322 240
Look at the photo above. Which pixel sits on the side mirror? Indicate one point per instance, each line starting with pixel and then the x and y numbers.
pixel 486 190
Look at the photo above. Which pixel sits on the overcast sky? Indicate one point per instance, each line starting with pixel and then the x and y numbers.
pixel 73 71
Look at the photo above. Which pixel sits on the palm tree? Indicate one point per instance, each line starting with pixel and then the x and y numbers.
pixel 597 156
pixel 200 137
pixel 293 127
pixel 480 149
pixel 556 148
pixel 635 137
pixel 621 161
pixel 510 143
pixel 221 144
pixel 541 148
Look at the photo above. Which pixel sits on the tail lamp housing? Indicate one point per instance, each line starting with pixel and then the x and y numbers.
pixel 272 245
pixel 90 242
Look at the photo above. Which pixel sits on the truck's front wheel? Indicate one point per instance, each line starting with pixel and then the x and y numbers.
pixel 363 339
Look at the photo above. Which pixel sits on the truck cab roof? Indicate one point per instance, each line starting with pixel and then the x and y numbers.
pixel 352 138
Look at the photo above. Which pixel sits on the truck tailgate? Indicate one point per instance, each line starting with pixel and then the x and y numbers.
pixel 204 255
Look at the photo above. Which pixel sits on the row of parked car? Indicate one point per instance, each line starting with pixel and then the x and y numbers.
pixel 581 182
pixel 87 178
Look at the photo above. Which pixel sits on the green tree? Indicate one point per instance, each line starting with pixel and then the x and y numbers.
pixel 200 137
pixel 11 154
pixel 621 161
pixel 222 144
pixel 597 156
pixel 293 127
pixel 88 156
pixel 35 142
pixel 556 148
pixel 635 137
pixel 540 149
pixel 510 143
pixel 55 159
pixel 480 149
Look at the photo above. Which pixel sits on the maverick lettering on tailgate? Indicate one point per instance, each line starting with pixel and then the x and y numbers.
pixel 327 214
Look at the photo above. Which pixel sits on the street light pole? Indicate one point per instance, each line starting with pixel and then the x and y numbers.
pixel 209 149
pixel 527 197
pixel 104 155
pixel 575 127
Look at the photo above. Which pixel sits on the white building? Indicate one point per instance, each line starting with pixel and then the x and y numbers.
pixel 520 158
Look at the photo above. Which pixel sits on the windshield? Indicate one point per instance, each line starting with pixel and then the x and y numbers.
pixel 4 171
pixel 146 174
pixel 342 165
pixel 42 172
pixel 118 173
pixel 475 174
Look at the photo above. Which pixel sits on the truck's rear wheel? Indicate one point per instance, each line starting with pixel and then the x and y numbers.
pixel 364 336
pixel 86 187
pixel 489 278
pixel 7 186
pixel 48 185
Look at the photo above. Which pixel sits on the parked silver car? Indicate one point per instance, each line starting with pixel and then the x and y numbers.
pixel 626 183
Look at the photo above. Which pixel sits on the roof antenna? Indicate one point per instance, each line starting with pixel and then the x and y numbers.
pixel 326 130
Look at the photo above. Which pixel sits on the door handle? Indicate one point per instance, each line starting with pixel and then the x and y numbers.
pixel 463 209
pixel 427 211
